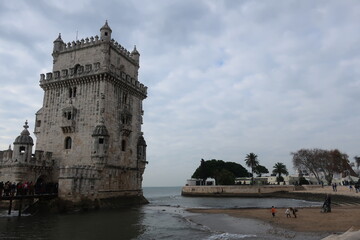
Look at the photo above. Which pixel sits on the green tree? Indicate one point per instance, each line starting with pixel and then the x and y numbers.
pixel 252 161
pixel 259 170
pixel 213 169
pixel 279 168
pixel 225 177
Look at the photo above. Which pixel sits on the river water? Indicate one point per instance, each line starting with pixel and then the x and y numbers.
pixel 164 218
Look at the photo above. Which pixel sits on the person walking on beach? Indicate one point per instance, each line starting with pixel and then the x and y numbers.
pixel 293 210
pixel 287 212
pixel 273 211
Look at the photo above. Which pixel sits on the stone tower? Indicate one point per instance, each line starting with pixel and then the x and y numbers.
pixel 91 118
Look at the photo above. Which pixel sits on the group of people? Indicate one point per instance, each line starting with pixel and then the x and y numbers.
pixel 288 212
pixel 26 188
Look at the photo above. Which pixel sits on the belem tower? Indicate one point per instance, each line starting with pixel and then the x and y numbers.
pixel 88 131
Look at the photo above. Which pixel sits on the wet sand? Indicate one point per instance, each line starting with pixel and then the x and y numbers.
pixel 310 223
pixel 308 219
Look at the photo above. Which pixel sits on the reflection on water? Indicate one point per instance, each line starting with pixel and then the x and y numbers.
pixel 104 224
pixel 164 218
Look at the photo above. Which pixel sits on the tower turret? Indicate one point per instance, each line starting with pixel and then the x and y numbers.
pixel 135 55
pixel 58 44
pixel 23 146
pixel 105 32
pixel 100 144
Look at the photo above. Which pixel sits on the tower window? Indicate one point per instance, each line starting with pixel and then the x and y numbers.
pixel 123 145
pixel 106 33
pixel 72 92
pixel 68 143
pixel 38 123
pixel 22 150
pixel 101 141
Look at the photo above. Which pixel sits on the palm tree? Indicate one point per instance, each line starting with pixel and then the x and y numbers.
pixel 280 168
pixel 252 162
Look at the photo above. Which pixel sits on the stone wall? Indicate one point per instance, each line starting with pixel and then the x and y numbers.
pixel 236 190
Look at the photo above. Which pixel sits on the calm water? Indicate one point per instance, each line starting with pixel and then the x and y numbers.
pixel 163 218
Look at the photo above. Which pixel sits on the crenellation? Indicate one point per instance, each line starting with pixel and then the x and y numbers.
pixel 48 76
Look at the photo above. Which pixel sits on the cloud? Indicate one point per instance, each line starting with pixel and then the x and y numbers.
pixel 225 78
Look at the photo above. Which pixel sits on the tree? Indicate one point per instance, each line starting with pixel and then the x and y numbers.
pixel 251 161
pixel 259 169
pixel 225 177
pixel 321 162
pixel 357 161
pixel 213 169
pixel 279 168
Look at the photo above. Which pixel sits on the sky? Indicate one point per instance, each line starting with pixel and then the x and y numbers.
pixel 225 78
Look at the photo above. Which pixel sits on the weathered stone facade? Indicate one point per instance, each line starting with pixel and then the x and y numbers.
pixel 90 121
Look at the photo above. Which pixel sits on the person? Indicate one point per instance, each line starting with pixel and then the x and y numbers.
pixel 1 188
pixel 273 211
pixel 293 210
pixel 287 212
pixel 327 204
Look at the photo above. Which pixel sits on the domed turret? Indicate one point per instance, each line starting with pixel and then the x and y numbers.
pixel 24 137
pixel 23 146
pixel 100 144
pixel 100 130
pixel 141 149
pixel 58 44
pixel 105 32
pixel 135 55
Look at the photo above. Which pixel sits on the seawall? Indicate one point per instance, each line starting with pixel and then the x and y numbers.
pixel 240 190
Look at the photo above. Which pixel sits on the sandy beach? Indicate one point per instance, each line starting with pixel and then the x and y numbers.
pixel 309 221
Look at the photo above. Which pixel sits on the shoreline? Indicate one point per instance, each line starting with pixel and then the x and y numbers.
pixel 309 219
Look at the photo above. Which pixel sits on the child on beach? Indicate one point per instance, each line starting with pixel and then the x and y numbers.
pixel 273 211
pixel 287 212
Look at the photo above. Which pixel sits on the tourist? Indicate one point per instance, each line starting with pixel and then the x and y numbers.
pixel 293 210
pixel 7 188
pixel 31 188
pixel 273 211
pixel 1 188
pixel 327 204
pixel 287 212
pixel 13 189
pixel 19 189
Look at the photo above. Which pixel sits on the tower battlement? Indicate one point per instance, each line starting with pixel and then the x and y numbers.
pixel 93 41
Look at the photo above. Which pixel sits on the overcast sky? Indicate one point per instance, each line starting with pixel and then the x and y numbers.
pixel 225 78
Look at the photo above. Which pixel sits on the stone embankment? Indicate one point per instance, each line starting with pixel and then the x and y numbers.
pixel 343 195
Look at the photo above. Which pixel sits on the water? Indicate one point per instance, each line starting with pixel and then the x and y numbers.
pixel 164 218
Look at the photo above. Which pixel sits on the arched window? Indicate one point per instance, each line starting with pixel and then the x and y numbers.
pixel 123 145
pixel 70 93
pixel 68 142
